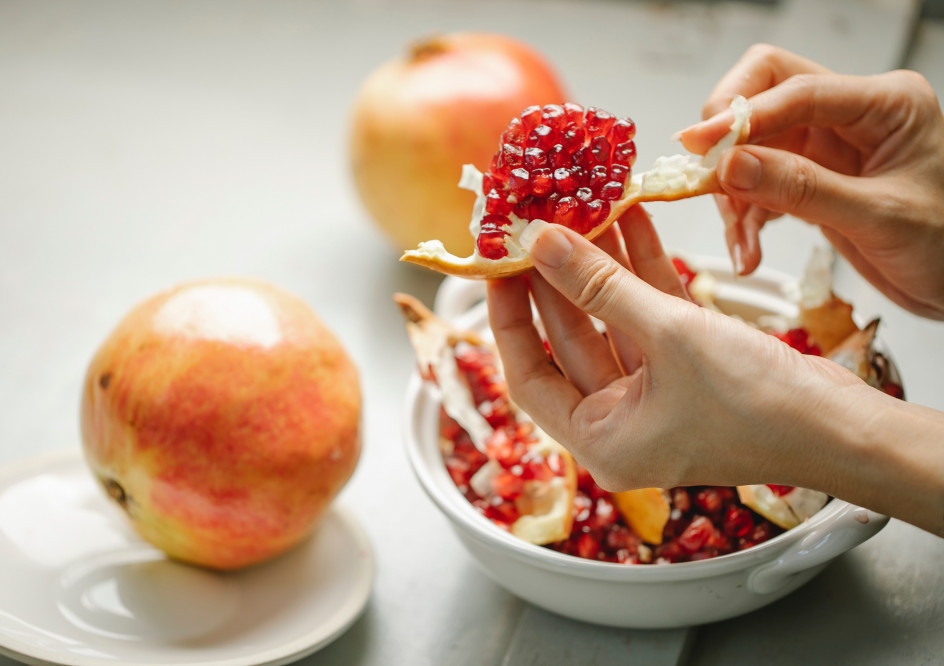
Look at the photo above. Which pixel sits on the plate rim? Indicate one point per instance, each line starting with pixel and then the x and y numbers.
pixel 307 643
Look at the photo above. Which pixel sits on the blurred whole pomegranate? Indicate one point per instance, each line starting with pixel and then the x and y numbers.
pixel 223 417
pixel 418 119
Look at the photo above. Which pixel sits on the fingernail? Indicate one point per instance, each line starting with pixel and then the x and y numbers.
pixel 741 171
pixel 737 259
pixel 546 244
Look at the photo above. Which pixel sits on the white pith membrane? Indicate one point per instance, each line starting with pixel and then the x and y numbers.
pixel 545 507
pixel 670 178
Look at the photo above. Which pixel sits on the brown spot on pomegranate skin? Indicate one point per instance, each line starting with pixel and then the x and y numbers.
pixel 116 492
pixel 104 380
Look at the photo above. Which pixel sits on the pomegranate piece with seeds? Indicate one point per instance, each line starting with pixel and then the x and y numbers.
pixel 566 164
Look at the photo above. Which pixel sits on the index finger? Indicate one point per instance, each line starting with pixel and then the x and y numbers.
pixel 760 68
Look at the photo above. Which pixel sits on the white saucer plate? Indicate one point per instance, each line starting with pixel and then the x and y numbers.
pixel 78 587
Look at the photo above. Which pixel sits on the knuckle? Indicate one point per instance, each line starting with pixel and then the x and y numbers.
pixel 599 287
pixel 799 191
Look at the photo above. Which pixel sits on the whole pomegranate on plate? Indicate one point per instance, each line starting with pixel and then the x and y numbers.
pixel 417 119
pixel 223 417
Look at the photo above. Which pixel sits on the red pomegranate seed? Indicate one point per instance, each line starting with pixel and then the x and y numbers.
pixel 600 150
pixel 780 491
pixel 605 514
pixel 696 534
pixel 596 211
pixel 508 486
pixel 588 547
pixel 573 137
pixel 599 121
pixel 611 191
pixel 496 203
pixel 531 117
pixel 543 137
pixel 542 182
pixel 519 182
pixel 761 532
pixel 502 512
pixel 709 500
pixel 598 177
pixel 564 183
pixel 534 158
pixel 622 130
pixel 491 241
pixel 737 522
pixel 514 133
pixel 558 157
pixel 625 154
pixel 573 112
pixel 510 157
pixel 566 211
pixel 553 115
pixel 584 194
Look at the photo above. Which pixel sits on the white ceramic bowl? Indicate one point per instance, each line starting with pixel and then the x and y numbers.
pixel 639 596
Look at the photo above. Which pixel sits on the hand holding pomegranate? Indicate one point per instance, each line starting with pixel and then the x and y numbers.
pixel 223 418
pixel 862 157
pixel 677 394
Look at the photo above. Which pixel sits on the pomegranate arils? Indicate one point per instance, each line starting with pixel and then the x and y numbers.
pixel 531 117
pixel 519 182
pixel 534 158
pixel 600 150
pixel 611 191
pixel 625 154
pixel 557 163
pixel 696 534
pixel 558 157
pixel 564 182
pixel 622 130
pixel 737 522
pixel 542 182
pixel 543 137
pixel 508 485
pixel 491 239
pixel 599 121
pixel 514 133
pixel 573 137
pixel 497 203
pixel 553 116
pixel 573 112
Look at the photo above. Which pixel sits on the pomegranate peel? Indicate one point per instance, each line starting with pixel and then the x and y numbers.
pixel 784 506
pixel 670 179
pixel 646 510
pixel 540 509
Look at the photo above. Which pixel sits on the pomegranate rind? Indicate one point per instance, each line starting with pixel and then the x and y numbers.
pixel 786 511
pixel 646 511
pixel 546 507
pixel 670 179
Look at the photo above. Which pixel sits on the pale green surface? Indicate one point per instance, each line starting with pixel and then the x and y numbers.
pixel 146 143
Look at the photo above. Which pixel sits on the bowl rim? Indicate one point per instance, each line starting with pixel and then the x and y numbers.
pixel 765 285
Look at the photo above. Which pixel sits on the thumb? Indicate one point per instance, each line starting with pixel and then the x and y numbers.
pixel 594 281
pixel 785 182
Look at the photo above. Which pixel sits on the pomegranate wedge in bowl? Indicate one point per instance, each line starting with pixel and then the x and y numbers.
pixel 572 166
pixel 648 558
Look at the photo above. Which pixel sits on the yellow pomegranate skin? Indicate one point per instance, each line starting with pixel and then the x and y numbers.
pixel 416 120
pixel 224 417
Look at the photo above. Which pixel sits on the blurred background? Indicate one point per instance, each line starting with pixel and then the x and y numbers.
pixel 146 143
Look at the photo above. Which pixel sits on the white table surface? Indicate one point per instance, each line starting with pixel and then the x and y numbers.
pixel 147 143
